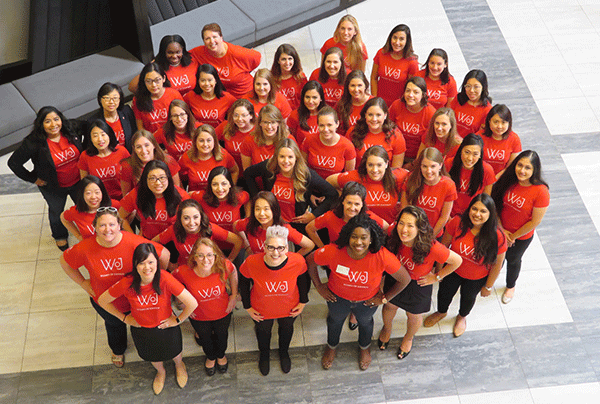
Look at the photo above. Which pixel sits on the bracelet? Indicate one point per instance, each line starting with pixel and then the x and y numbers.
pixel 125 317
pixel 488 289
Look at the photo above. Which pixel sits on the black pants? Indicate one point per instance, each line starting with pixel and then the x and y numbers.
pixel 213 336
pixel 468 293
pixel 56 197
pixel 263 334
pixel 116 330
pixel 514 255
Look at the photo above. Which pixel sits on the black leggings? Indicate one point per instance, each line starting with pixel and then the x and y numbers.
pixel 468 293
pixel 263 335
pixel 514 255
pixel 213 336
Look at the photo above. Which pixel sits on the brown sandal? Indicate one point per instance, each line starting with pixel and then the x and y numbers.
pixel 364 359
pixel 328 357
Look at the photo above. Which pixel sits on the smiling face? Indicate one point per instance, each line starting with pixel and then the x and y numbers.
pixel 327 127
pixel 442 127
pixel 205 144
pixel 436 65
pixel 107 228
pixel 263 212
pixel 407 229
pixel 213 42
pixel 470 155
pixel 179 118
pixel 498 126
pixel 398 41
pixel 92 195
pixel 352 205
pixel 147 269
pixel 144 149
pixel 276 249
pixel 286 63
pixel 376 167
pixel 524 171
pixel 52 124
pixel 242 119
pixel 478 214
pixel 286 160
pixel 154 83
pixel 413 95
pixel 157 181
pixel 99 138
pixel 174 53
pixel 207 83
pixel 262 87
pixel 346 32
pixel 375 118
pixel 430 171
pixel 205 257
pixel 190 220
pixel 220 187
pixel 473 89
pixel 269 127
pixel 110 101
pixel 357 89
pixel 333 64
pixel 360 239
pixel 312 100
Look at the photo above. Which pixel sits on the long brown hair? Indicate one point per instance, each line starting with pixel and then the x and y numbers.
pixel 389 182
pixel 194 153
pixel 414 181
pixel 230 126
pixel 265 74
pixel 300 173
pixel 274 114
pixel 453 137
pixel 169 127
pixel 137 166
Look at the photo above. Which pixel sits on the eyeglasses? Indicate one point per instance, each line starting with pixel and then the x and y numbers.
pixel 106 209
pixel 268 123
pixel 162 179
pixel 475 87
pixel 106 98
pixel 238 116
pixel 183 115
pixel 210 256
pixel 155 81
pixel 272 248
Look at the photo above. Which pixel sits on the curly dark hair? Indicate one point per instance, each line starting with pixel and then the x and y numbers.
pixel 364 222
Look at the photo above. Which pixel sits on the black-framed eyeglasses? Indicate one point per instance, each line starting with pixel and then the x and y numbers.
pixel 272 248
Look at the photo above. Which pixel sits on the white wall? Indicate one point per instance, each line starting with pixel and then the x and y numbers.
pixel 14 30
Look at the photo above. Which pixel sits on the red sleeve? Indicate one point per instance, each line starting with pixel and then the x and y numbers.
pixel 243 197
pixel 413 67
pixel 488 174
pixel 543 198
pixel 451 194
pixel 167 235
pixel 247 58
pixel 172 284
pixel 129 202
pixel 452 226
pixel 82 164
pixel 119 288
pixel 218 233
pixel 284 106
pixel 241 225
pixel 294 236
pixel 451 89
pixel 315 74
pixel 321 221
pixel 398 143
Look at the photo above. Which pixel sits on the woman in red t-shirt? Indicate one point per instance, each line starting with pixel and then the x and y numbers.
pixel 303 121
pixel 331 75
pixel 145 149
pixel 429 187
pixel 265 212
pixel 347 37
pixel 152 99
pixel 327 152
pixel 357 261
pixel 206 153
pixel 412 115
pixel 441 86
pixel 441 133
pixel 91 195
pixel 414 244
pixel 473 103
pixel 191 224
pixel 116 113
pixel 274 286
pixel 107 258
pixel 500 144
pixel 288 75
pixel 522 198
pixel 356 94
pixel 259 145
pixel 393 64
pixel 176 135
pixel 264 91
pixel 154 200
pixel 209 101
pixel 239 124
pixel 476 237
pixel 376 128
pixel 154 326
pixel 103 157
pixel 212 280
pixel 471 175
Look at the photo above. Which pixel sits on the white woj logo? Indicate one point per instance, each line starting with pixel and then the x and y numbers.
pixel 408 263
pixel 325 161
pixel 112 264
pixel 274 287
pixel 333 93
pixel 223 71
pixel 464 185
pixel 188 248
pixel 207 293
pixel 162 216
pixel 377 196
pixel 410 128
pixel 107 172
pixel 494 154
pixel 209 113
pixel 66 155
pixel 280 192
pixel 358 276
pixel 515 200
pixel 289 92
pixel 146 300
pixel 237 146
pixel 392 73
pixel 465 250
pixel 159 114
pixel 183 147
pixel 202 175
pixel 91 229
pixel 466 119
pixel 223 217
pixel 260 244
pixel 179 81
pixel 434 94
pixel 427 201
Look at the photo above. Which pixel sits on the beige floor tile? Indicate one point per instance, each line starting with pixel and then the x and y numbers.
pixel 23 204
pixel 16 286
pixel 20 238
pixel 54 290
pixel 14 330
pixel 60 339
pixel 102 352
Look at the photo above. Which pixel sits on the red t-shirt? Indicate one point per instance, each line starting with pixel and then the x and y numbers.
pixel 296 130
pixel 210 292
pixel 197 172
pixel 356 280
pixel 334 224
pixel 280 102
pixel 332 89
pixel 331 43
pixel 106 168
pixel 395 146
pixel 283 189
pixel 438 253
pixel 497 152
pixel 519 202
pixel 181 143
pixel 126 174
pixel 107 266
pixel 118 129
pixel 413 126
pixel 438 93
pixel 328 160
pixel 183 78
pixel 65 156
pixel 462 202
pixel 152 226
pixel 441 147
pixel 469 119
pixel 219 234
pixel 155 119
pixel 83 220
pixel 257 154
pixel 225 214
pixel 274 292
pixel 234 67
pixel 234 144
pixel 291 89
pixel 257 241
pixel 211 112
pixel 433 197
pixel 378 200
pixel 465 247
pixel 392 75
pixel 149 308
pixel 355 114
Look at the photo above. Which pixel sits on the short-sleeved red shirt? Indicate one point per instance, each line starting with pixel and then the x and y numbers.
pixel 65 156
pixel 334 224
pixel 433 197
pixel 519 202
pixel 184 249
pixel 234 144
pixel 437 92
pixel 183 78
pixel 197 171
pixel 106 168
pixel 497 152
pixel 462 201
pixel 280 102
pixel 438 253
pixel 469 119
pixel 155 119
pixel 211 112
pixel 291 89
pixel 332 89
pixel 392 75
pixel 395 146
pixel 328 160
pixel 413 126
pixel 296 130
pixel 331 43
pixel 181 143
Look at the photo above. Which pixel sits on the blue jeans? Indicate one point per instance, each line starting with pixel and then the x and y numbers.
pixel 338 312
pixel 56 197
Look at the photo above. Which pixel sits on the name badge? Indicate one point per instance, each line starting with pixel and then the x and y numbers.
pixel 342 270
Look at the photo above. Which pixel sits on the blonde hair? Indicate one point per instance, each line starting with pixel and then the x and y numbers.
pixel 414 181
pixel 194 153
pixel 300 172
pixel 354 48
pixel 267 75
pixel 219 266
pixel 453 137
pixel 272 113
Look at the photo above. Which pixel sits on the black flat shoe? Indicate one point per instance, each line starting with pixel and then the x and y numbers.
pixel 210 371
pixel 382 345
pixel 263 366
pixel 222 368
pixel 286 363
pixel 401 354
pixel 352 326
pixel 63 247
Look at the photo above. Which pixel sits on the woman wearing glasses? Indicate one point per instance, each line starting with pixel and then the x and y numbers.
pixel 274 285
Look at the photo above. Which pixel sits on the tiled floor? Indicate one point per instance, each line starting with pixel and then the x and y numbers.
pixel 542 59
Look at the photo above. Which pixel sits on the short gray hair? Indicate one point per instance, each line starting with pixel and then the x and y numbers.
pixel 278 232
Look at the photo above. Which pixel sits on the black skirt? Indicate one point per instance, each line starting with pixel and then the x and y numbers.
pixel 156 344
pixel 414 299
